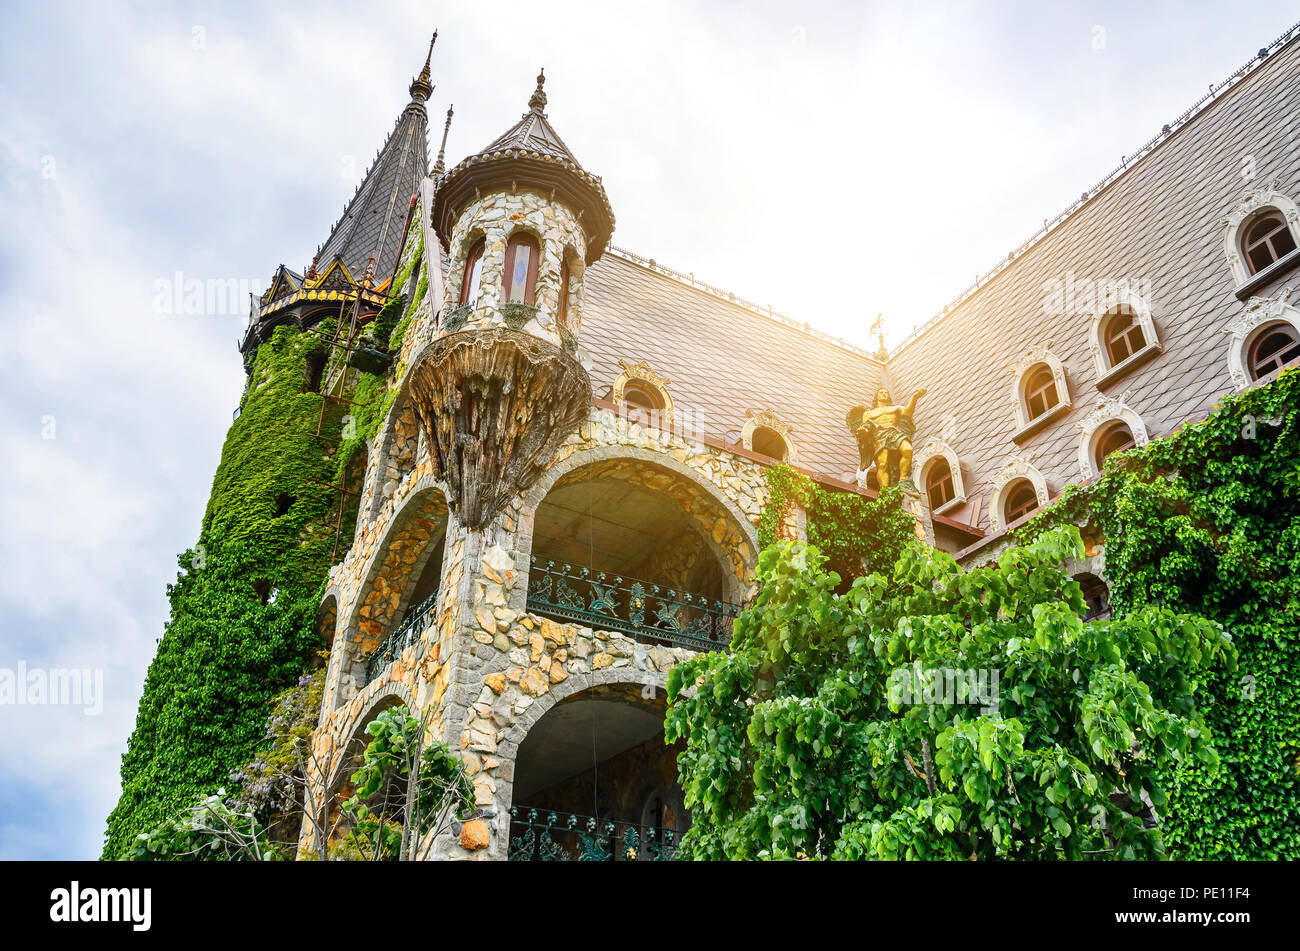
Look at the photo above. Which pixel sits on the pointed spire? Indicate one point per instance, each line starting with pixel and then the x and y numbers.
pixel 421 87
pixel 537 102
pixel 368 278
pixel 311 271
pixel 438 166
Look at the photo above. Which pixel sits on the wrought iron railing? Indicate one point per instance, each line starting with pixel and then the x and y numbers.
pixel 546 836
pixel 402 637
pixel 610 602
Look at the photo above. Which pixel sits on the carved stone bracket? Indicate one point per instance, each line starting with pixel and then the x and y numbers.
pixel 495 404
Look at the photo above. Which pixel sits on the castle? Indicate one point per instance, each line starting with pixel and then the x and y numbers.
pixel 560 495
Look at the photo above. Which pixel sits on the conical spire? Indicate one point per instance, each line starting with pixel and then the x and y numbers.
pixel 421 87
pixel 438 166
pixel 529 154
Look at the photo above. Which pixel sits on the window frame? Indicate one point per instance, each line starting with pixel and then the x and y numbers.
pixel 517 239
pixel 1261 333
pixel 473 258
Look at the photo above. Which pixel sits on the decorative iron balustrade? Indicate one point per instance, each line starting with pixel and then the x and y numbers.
pixel 402 637
pixel 546 836
pixel 609 602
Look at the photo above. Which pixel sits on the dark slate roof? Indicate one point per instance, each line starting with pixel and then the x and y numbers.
pixel 724 358
pixel 374 219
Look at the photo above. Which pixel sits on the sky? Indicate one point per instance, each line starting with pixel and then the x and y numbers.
pixel 833 160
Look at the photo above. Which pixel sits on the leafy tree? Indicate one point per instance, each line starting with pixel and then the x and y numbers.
pixel 830 731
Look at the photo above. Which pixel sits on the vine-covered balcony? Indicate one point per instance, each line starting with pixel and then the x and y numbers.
pixel 402 637
pixel 610 602
pixel 546 836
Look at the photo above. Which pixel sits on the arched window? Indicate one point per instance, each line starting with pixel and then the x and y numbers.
pixel 1022 498
pixel 938 483
pixel 1274 346
pixel 1114 438
pixel 1040 391
pixel 562 311
pixel 519 280
pixel 636 393
pixel 473 272
pixel 769 442
pixel 1266 240
pixel 1124 337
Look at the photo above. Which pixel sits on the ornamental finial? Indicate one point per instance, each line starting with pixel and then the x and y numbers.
pixel 438 166
pixel 537 102
pixel 421 87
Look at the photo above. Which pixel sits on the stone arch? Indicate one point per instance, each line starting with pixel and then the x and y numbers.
pixel 1252 204
pixel 1260 312
pixel 923 460
pixel 1016 469
pixel 523 723
pixel 1030 360
pixel 415 533
pixel 1095 423
pixel 731 537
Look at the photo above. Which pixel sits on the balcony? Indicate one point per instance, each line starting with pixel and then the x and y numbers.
pixel 402 637
pixel 651 613
pixel 544 836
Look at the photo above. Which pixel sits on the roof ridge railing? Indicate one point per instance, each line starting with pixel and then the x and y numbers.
pixel 729 297
pixel 1126 162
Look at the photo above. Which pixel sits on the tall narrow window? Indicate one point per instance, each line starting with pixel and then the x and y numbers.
pixel 1022 498
pixel 938 483
pixel 1040 391
pixel 473 272
pixel 1273 348
pixel 562 311
pixel 1124 337
pixel 1096 597
pixel 1266 241
pixel 520 277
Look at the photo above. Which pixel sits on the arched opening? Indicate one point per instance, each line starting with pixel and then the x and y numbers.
pixel 1096 597
pixel 642 401
pixel 768 442
pixel 630 546
pixel 1272 347
pixel 315 370
pixel 1266 240
pixel 399 600
pixel 1021 499
pixel 594 780
pixel 938 483
pixel 384 809
pixel 1040 394
pixel 1114 437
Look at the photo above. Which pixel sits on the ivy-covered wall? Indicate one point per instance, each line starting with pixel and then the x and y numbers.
pixel 244 605
pixel 1208 521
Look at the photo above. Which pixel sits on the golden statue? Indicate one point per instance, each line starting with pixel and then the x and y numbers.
pixel 884 433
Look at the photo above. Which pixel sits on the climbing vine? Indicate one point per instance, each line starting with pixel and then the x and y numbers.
pixel 1207 521
pixel 858 534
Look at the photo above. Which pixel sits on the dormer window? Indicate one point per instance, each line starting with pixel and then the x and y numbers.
pixel 1040 391
pixel 938 484
pixel 1124 338
pixel 1022 498
pixel 645 397
pixel 768 442
pixel 1267 240
pixel 1114 438
pixel 519 281
pixel 1275 346
pixel 469 284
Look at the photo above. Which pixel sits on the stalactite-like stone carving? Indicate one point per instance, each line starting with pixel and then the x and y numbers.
pixel 496 404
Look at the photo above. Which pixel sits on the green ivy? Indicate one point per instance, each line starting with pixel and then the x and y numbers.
pixel 244 605
pixel 1207 521
pixel 857 533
